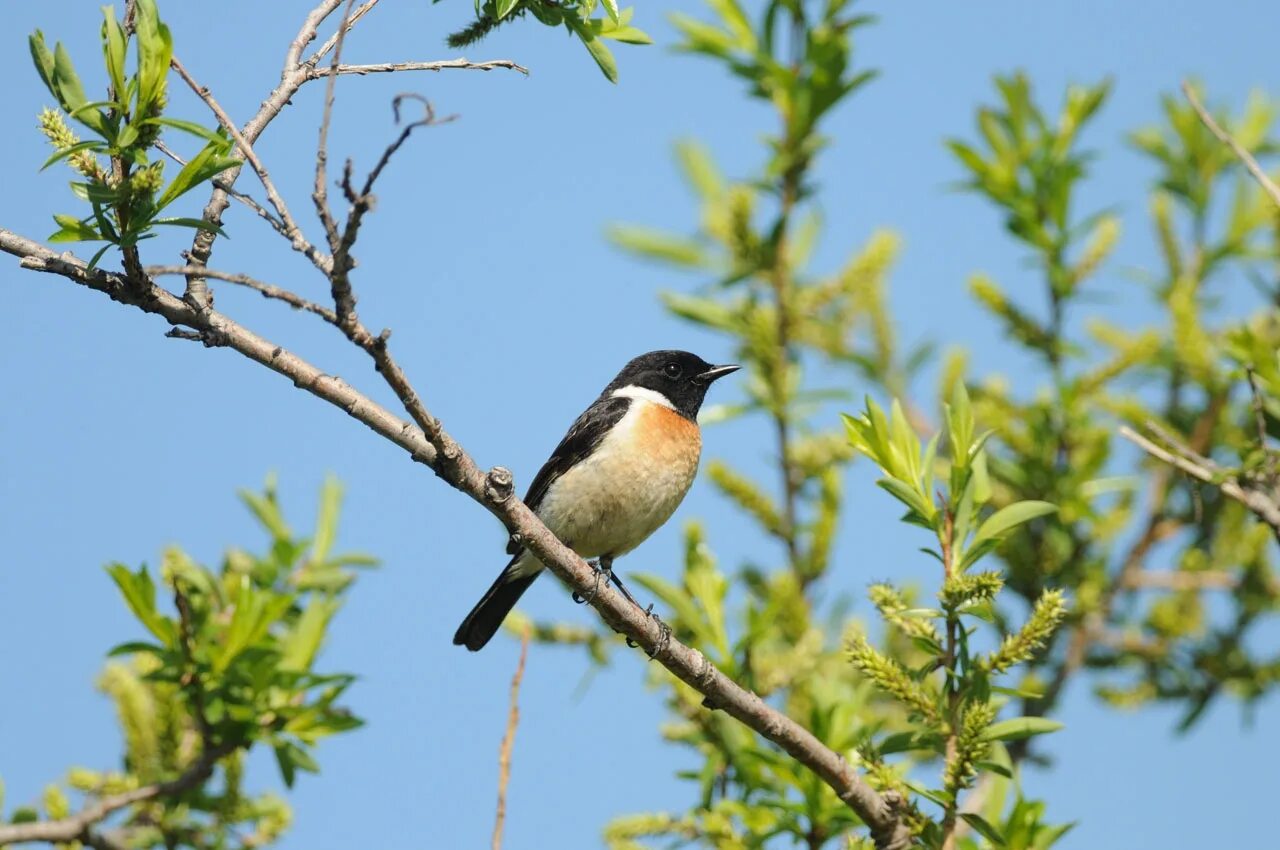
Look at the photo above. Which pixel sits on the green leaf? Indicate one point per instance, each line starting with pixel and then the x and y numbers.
pixel 1020 727
pixel 135 646
pixel 43 60
pixel 155 49
pixel 205 165
pixel 1010 517
pixel 658 245
pixel 114 47
pixel 611 6
pixel 987 830
pixel 24 814
pixel 299 647
pixel 502 8
pixel 597 49
pixel 194 223
pixel 627 35
pixel 72 229
pixel 327 520
pixel 91 144
pixel 189 127
pixel 139 593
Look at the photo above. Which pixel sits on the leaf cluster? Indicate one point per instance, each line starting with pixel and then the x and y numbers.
pixel 127 194
pixel 228 663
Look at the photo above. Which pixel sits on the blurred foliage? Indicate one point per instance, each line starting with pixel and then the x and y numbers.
pixel 578 18
pixel 230 666
pixel 127 193
pixel 1149 581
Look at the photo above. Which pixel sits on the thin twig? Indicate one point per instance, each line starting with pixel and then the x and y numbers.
pixel 78 827
pixel 292 77
pixel 508 741
pixel 267 290
pixel 292 230
pixel 441 65
pixel 1261 504
pixel 1226 138
pixel 320 192
pixel 344 300
pixel 349 22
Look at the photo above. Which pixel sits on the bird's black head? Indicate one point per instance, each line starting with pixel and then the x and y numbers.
pixel 678 377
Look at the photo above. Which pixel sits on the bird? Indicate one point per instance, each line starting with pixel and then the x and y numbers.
pixel 619 473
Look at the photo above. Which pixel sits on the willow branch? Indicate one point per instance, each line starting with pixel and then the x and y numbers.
pixel 440 65
pixel 79 827
pixel 428 442
pixel 267 290
pixel 320 192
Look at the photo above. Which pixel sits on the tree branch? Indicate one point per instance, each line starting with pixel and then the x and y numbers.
pixel 508 741
pixel 267 290
pixel 431 444
pixel 1227 139
pixel 79 827
pixel 291 229
pixel 320 192
pixel 1182 458
pixel 292 78
pixel 441 65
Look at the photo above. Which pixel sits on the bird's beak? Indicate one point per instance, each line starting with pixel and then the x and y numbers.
pixel 716 372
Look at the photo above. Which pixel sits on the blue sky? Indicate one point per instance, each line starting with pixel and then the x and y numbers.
pixel 486 254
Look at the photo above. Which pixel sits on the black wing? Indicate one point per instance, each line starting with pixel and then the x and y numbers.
pixel 584 435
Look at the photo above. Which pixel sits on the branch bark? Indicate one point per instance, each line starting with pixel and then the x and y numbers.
pixel 1182 458
pixel 79 827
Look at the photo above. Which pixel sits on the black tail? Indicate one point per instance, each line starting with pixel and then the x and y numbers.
pixel 483 621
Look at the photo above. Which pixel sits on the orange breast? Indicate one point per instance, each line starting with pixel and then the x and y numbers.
pixel 663 433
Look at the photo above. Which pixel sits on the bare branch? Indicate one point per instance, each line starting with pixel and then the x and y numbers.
pixel 349 22
pixel 78 827
pixel 441 65
pixel 292 77
pixel 508 741
pixel 494 490
pixel 320 193
pixel 1238 149
pixel 291 228
pixel 307 34
pixel 1192 464
pixel 267 290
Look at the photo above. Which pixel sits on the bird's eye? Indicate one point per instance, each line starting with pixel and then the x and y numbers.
pixel 672 370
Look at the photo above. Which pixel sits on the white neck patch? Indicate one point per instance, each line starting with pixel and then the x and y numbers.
pixel 643 394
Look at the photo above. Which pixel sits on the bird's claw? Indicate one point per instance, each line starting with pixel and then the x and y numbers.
pixel 595 587
pixel 664 634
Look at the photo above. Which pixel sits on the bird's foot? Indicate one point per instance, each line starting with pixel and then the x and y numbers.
pixel 664 634
pixel 602 571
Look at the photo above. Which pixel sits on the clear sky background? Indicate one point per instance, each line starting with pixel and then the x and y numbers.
pixel 487 256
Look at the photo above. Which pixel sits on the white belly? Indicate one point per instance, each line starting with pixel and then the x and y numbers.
pixel 609 503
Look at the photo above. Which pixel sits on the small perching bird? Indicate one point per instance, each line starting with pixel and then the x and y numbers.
pixel 616 477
